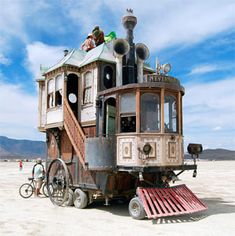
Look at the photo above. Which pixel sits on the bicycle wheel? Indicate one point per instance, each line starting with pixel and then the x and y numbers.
pixel 26 190
pixel 44 190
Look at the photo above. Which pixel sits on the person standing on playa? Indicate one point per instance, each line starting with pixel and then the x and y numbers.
pixel 38 173
pixel 21 165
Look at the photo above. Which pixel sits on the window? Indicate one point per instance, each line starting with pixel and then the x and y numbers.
pixel 108 77
pixel 50 92
pixel 58 90
pixel 170 114
pixel 87 88
pixel 150 112
pixel 128 112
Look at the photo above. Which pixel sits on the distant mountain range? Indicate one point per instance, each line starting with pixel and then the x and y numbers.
pixel 15 149
pixel 25 149
pixel 216 154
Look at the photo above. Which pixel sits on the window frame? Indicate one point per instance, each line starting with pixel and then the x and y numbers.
pixel 127 114
pixel 51 93
pixel 172 118
pixel 87 88
pixel 158 95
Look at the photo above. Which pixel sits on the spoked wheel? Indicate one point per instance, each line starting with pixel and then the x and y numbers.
pixel 44 190
pixel 136 209
pixel 58 182
pixel 26 190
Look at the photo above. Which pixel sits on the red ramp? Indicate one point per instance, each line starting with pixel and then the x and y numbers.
pixel 176 200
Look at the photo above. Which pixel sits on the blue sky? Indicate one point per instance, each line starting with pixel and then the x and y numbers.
pixel 196 37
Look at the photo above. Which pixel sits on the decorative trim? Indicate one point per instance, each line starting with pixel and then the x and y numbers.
pixel 126 149
pixel 171 150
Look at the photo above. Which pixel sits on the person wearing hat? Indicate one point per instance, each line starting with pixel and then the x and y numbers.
pixel 98 36
pixel 38 173
pixel 88 43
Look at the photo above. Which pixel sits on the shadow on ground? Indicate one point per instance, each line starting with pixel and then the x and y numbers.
pixel 215 206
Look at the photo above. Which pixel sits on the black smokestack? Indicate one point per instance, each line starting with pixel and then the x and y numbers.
pixel 129 21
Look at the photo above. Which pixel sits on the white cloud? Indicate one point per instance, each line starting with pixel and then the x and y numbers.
pixel 202 69
pixel 18 113
pixel 217 128
pixel 161 25
pixel 39 53
pixel 4 60
pixel 170 23
pixel 207 68
pixel 208 108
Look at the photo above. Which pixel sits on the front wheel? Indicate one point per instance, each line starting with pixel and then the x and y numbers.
pixel 26 190
pixel 136 209
pixel 80 199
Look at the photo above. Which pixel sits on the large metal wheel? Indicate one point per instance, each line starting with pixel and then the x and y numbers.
pixel 26 190
pixel 80 199
pixel 136 209
pixel 44 190
pixel 58 182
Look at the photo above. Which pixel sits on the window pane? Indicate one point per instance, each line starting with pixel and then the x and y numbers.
pixel 128 124
pixel 128 103
pixel 88 88
pixel 88 79
pixel 170 114
pixel 50 86
pixel 58 83
pixel 150 112
pixel 87 96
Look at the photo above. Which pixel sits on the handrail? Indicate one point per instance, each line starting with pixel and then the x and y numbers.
pixel 75 132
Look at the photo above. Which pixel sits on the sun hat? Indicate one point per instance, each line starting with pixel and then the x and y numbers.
pixel 89 36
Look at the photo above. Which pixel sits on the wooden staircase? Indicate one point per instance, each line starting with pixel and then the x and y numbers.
pixel 75 132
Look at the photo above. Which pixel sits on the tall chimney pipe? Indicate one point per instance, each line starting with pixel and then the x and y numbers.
pixel 129 21
pixel 142 53
pixel 121 48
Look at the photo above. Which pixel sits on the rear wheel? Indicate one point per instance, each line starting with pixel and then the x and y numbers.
pixel 26 190
pixel 44 190
pixel 136 209
pixel 80 199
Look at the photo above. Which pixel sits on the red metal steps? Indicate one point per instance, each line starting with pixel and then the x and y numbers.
pixel 176 200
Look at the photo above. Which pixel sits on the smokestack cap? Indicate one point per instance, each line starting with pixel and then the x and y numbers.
pixel 129 20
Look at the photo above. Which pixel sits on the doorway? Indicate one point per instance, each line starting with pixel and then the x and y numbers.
pixel 110 117
pixel 72 93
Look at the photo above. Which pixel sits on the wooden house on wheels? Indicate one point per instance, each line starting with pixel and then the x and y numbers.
pixel 114 129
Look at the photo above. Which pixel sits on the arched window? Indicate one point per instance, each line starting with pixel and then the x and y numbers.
pixel 87 95
pixel 170 114
pixel 150 112
pixel 108 77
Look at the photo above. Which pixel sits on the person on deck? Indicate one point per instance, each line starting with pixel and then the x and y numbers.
pixel 38 173
pixel 88 43
pixel 98 36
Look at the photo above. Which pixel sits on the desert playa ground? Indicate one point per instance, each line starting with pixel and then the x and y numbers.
pixel 214 185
